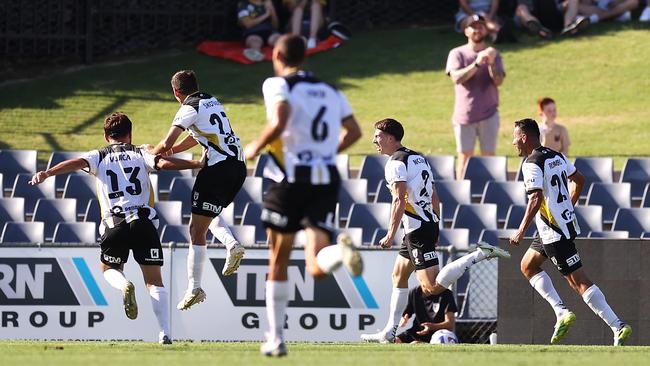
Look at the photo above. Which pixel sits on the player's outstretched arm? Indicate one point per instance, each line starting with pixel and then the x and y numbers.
pixel 350 133
pixel 64 167
pixel 170 163
pixel 169 140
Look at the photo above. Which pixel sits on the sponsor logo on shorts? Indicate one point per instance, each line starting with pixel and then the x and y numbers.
pixel 274 218
pixel 207 206
pixel 416 258
pixel 155 253
pixel 429 256
pixel 573 259
pixel 111 259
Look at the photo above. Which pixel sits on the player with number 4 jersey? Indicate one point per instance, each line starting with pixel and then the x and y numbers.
pixel 216 184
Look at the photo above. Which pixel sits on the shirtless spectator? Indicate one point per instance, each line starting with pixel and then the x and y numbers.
pixel 553 135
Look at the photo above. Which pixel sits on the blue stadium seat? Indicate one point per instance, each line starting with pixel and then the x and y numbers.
pixel 369 217
pixel 382 193
pixel 492 236
pixel 57 157
pixel 169 213
pixel 482 169
pixel 30 193
pixel 451 194
pixel 81 187
pixel 476 218
pixel 343 165
pixel 645 235
pixel 352 191
pixel 636 172
pixel 165 177
pixel 260 163
pixel 513 220
pixel 633 220
pixel 617 234
pixel 372 169
pixel 93 212
pixel 75 232
pixel 12 210
pixel 153 178
pixel 245 234
pixel 175 233
pixel 23 232
pixel 253 216
pixel 457 238
pixel 443 167
pixel 51 211
pixel 14 162
pixel 380 233
pixel 590 218
pixel 251 191
pixel 504 194
pixel 181 190
pixel 611 196
pixel 645 201
pixel 595 170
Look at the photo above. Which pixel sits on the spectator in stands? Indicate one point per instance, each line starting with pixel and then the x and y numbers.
pixel 554 135
pixel 477 72
pixel 128 222
pixel 597 10
pixel 487 8
pixel 432 313
pixel 543 17
pixel 316 19
pixel 260 22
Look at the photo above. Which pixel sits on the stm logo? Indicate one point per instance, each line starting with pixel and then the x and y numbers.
pixel 247 287
pixel 48 281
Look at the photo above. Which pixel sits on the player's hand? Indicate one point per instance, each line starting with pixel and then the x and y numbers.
pixel 38 178
pixel 427 328
pixel 516 238
pixel 404 320
pixel 251 150
pixel 386 242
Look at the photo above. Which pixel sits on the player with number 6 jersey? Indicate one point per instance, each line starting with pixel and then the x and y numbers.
pixel 216 184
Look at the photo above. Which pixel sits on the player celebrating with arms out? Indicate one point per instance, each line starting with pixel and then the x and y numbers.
pixel 547 175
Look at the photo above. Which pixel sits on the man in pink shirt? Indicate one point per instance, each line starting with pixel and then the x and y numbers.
pixel 476 71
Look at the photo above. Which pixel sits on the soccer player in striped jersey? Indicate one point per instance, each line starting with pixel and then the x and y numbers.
pixel 216 184
pixel 129 221
pixel 309 121
pixel 554 184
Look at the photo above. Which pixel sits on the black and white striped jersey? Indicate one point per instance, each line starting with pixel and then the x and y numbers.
pixel 205 120
pixel 549 171
pixel 306 150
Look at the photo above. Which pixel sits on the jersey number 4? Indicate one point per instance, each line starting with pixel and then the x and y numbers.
pixel 133 190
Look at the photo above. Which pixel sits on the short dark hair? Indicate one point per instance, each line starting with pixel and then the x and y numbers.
pixel 528 126
pixel 292 48
pixel 543 102
pixel 185 82
pixel 391 127
pixel 117 125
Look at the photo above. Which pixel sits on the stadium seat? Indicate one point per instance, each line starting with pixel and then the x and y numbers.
pixel 153 178
pixel 57 157
pixel 81 187
pixel 451 194
pixel 352 191
pixel 636 172
pixel 343 165
pixel 617 234
pixel 260 163
pixel 590 218
pixel 611 196
pixel 369 217
pixel 475 217
pixel 93 212
pixel 634 220
pixel 513 220
pixel 181 190
pixel 175 233
pixel 253 216
pixel 2 191
pixel 380 233
pixel 482 169
pixel 443 167
pixel 169 213
pixel 75 232
pixel 504 194
pixel 245 234
pixel 645 235
pixel 492 236
pixel 251 191
pixel 457 238
pixel 12 210
pixel 382 193
pixel 23 232
pixel 31 193
pixel 595 170
pixel 14 162
pixel 372 169
pixel 51 211
pixel 645 201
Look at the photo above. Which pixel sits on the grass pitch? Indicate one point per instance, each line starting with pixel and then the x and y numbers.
pixel 357 354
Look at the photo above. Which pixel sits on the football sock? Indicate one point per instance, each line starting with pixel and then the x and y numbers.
pixel 593 18
pixel 329 258
pixel 222 232
pixel 277 298
pixel 398 300
pixel 195 261
pixel 115 278
pixel 542 283
pixel 452 271
pixel 160 302
pixel 596 301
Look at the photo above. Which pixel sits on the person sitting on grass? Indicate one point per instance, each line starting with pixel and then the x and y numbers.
pixel 543 17
pixel 260 22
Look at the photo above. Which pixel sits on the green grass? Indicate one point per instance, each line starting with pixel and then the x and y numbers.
pixel 599 81
pixel 358 354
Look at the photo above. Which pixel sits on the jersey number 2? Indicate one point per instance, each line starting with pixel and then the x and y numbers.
pixel 560 183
